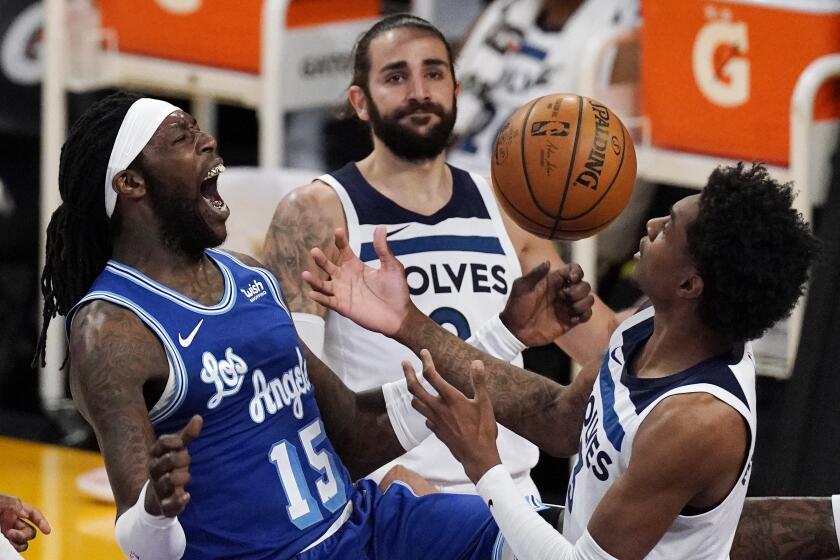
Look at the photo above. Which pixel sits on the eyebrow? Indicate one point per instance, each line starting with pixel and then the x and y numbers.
pixel 182 123
pixel 401 64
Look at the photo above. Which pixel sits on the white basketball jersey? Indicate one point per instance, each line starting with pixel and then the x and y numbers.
pixel 618 406
pixel 460 265
pixel 508 60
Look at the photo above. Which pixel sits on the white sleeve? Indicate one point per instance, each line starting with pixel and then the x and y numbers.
pixel 529 536
pixel 7 551
pixel 310 329
pixel 143 535
pixel 835 509
pixel 494 338
pixel 409 425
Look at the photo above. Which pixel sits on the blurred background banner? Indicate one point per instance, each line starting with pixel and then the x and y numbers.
pixel 21 32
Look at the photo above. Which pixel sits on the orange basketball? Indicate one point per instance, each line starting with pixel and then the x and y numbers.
pixel 563 166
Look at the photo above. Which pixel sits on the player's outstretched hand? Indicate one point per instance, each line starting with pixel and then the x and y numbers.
pixel 466 426
pixel 19 522
pixel 545 304
pixel 169 471
pixel 376 299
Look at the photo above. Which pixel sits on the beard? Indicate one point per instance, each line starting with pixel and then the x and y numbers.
pixel 406 143
pixel 182 229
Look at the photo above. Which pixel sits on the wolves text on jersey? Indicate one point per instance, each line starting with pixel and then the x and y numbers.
pixel 590 453
pixel 448 278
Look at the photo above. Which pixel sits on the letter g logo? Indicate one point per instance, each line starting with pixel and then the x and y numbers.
pixel 721 69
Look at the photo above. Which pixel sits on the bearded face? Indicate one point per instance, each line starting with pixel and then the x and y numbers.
pixel 183 229
pixel 397 132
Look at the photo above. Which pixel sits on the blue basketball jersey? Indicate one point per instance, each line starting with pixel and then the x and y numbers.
pixel 266 481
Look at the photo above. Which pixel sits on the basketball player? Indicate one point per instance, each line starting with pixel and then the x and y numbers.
pixel 519 50
pixel 461 254
pixel 19 522
pixel 665 436
pixel 223 436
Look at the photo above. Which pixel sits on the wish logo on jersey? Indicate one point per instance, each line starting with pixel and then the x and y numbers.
pixel 227 375
pixel 254 291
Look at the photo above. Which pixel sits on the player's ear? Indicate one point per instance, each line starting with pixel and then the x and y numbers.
pixel 457 88
pixel 359 101
pixel 691 287
pixel 129 183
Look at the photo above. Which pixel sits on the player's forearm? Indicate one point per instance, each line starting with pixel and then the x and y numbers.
pixel 356 423
pixel 786 528
pixel 533 406
pixel 586 342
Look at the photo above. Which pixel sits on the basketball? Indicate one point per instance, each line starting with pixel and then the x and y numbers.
pixel 563 166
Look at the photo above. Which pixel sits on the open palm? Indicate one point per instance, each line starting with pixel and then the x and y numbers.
pixel 376 299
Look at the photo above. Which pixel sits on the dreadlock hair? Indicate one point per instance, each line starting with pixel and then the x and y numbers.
pixel 361 51
pixel 79 233
pixel 752 249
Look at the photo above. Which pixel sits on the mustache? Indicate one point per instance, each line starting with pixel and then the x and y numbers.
pixel 418 107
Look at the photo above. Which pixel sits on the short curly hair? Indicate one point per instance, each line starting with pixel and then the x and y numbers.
pixel 752 249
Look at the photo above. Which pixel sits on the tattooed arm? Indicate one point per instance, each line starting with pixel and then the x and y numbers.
pixel 542 411
pixel 786 529
pixel 356 423
pixel 546 413
pixel 305 218
pixel 112 356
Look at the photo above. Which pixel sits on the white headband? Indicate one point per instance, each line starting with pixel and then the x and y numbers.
pixel 140 123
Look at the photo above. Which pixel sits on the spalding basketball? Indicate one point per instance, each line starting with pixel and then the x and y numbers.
pixel 563 166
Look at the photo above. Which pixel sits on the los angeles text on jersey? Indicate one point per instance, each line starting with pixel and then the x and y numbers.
pixel 445 278
pixel 227 375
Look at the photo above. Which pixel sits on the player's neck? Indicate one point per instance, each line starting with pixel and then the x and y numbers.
pixel 679 341
pixel 146 253
pixel 423 187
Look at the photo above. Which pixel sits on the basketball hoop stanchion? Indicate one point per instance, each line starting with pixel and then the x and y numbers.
pixel 802 174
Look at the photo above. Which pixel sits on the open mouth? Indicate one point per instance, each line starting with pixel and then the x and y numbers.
pixel 209 190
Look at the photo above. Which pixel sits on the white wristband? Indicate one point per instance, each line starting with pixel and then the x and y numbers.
pixel 311 329
pixel 529 536
pixel 835 509
pixel 143 535
pixel 494 338
pixel 409 425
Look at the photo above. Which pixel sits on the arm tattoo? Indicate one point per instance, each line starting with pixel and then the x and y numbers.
pixel 538 409
pixel 297 227
pixel 786 528
pixel 112 356
pixel 356 423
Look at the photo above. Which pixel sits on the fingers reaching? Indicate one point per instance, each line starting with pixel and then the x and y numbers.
pixel 323 262
pixel 192 429
pixel 380 245
pixel 36 517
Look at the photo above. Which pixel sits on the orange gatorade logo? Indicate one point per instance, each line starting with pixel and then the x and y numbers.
pixel 718 75
pixel 719 59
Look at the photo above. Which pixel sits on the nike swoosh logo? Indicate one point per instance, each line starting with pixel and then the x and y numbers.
pixel 614 357
pixel 187 341
pixel 390 233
